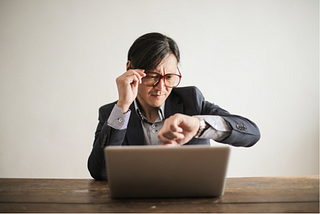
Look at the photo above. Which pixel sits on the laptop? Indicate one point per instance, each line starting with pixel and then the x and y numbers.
pixel 166 172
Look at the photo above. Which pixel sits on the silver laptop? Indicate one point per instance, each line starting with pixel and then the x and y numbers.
pixel 166 172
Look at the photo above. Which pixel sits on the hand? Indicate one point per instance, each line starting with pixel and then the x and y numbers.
pixel 178 130
pixel 127 85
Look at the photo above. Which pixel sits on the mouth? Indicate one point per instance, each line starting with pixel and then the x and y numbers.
pixel 156 95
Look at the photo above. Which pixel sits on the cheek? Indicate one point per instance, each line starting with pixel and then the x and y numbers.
pixel 169 91
pixel 142 91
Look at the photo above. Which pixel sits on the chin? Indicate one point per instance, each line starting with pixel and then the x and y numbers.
pixel 158 103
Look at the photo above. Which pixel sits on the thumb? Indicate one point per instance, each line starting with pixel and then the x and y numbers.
pixel 175 126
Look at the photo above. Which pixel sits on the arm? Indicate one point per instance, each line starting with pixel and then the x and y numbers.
pixel 110 131
pixel 232 129
pixel 242 131
pixel 113 120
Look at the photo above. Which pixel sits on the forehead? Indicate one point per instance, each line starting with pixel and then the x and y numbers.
pixel 168 65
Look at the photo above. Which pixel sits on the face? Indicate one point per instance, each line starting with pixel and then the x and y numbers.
pixel 154 97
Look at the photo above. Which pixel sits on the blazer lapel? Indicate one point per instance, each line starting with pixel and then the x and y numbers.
pixel 173 106
pixel 134 134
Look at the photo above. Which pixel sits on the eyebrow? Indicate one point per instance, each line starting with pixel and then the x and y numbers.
pixel 155 71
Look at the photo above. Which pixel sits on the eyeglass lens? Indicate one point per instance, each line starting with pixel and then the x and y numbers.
pixel 152 79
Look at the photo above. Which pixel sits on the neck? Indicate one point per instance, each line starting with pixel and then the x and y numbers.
pixel 151 113
pixel 151 116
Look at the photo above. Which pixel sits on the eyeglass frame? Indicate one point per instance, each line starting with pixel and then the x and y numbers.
pixel 162 77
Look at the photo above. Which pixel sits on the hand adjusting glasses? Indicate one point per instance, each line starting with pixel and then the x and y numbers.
pixel 170 80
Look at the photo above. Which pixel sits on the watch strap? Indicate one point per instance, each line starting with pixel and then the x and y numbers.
pixel 202 126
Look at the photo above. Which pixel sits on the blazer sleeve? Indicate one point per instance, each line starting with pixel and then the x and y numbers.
pixel 104 135
pixel 244 132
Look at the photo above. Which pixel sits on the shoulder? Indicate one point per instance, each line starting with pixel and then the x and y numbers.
pixel 189 97
pixel 106 109
pixel 108 106
pixel 188 93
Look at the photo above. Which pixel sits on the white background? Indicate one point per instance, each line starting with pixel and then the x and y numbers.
pixel 59 60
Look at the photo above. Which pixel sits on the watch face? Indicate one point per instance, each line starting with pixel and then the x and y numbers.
pixel 202 126
pixel 202 123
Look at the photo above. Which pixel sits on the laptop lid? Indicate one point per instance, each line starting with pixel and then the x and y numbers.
pixel 165 172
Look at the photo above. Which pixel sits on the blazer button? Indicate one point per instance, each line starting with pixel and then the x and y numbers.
pixel 103 143
pixel 242 128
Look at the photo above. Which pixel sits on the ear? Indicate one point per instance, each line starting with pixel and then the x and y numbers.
pixel 128 65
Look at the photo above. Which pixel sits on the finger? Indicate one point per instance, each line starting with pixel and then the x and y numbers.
pixel 176 128
pixel 139 75
pixel 170 137
pixel 141 72
pixel 135 82
pixel 165 135
pixel 133 79
pixel 137 70
pixel 171 144
pixel 173 135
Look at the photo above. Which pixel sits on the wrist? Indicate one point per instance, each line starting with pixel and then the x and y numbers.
pixel 125 108
pixel 202 126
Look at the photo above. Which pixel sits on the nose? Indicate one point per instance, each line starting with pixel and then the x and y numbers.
pixel 161 85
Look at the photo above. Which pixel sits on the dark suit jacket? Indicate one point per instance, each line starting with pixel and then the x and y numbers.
pixel 185 100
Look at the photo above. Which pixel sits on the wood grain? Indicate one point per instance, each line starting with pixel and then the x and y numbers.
pixel 252 194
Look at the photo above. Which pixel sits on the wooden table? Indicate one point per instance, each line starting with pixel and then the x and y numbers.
pixel 251 194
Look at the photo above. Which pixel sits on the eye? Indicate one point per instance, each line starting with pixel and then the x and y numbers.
pixel 152 75
pixel 169 76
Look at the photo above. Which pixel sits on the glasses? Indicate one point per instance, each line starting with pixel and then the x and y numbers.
pixel 170 80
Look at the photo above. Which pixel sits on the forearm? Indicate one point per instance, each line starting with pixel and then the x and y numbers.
pixel 218 128
pixel 108 136
pixel 96 162
pixel 231 129
pixel 109 133
pixel 244 132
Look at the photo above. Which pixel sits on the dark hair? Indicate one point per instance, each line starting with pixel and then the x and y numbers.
pixel 150 49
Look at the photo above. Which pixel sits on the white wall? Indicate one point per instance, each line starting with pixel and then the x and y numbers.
pixel 59 60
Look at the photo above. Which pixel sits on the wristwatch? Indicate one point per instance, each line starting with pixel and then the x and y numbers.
pixel 202 126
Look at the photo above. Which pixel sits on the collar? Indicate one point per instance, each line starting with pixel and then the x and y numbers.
pixel 142 117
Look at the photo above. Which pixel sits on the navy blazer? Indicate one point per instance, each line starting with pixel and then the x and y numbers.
pixel 185 100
